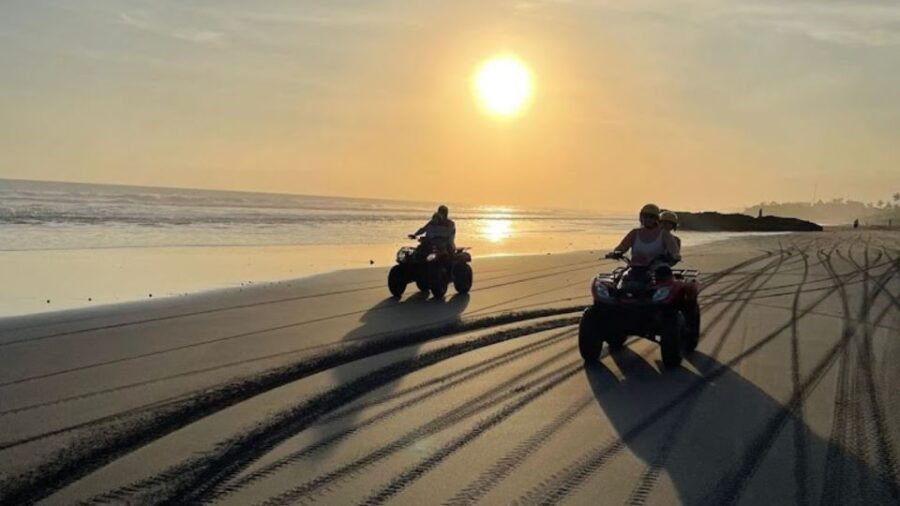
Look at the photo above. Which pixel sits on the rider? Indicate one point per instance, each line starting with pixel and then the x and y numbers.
pixel 440 226
pixel 669 221
pixel 651 244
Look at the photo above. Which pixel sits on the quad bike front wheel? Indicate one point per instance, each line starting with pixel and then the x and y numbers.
pixel 670 338
pixel 589 342
pixel 422 284
pixel 396 281
pixel 438 280
pixel 616 340
pixel 462 278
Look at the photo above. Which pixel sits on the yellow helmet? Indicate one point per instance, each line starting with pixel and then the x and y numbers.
pixel 669 216
pixel 651 209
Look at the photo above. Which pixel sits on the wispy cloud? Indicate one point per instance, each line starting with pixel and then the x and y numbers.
pixel 194 35
pixel 867 23
pixel 847 23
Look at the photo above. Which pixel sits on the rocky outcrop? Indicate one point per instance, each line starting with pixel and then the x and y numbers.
pixel 718 222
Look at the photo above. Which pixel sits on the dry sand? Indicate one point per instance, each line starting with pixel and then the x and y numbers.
pixel 327 390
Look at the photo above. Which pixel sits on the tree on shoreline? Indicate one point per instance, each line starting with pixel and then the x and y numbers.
pixel 835 211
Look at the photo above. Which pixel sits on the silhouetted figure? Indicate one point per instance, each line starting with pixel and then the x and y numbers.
pixel 855 223
pixel 760 213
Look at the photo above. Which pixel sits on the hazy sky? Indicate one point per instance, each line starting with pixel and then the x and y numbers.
pixel 693 104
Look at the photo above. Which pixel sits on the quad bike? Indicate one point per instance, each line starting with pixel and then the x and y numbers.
pixel 658 305
pixel 432 266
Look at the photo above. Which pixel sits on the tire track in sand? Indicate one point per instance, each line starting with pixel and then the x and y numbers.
pixel 96 450
pixel 731 486
pixel 654 468
pixel 570 477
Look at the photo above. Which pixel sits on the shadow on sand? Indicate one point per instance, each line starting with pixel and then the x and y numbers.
pixel 719 445
pixel 392 316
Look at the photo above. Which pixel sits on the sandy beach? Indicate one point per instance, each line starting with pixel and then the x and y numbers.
pixel 328 390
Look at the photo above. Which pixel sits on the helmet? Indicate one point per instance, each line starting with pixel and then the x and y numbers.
pixel 443 211
pixel 669 216
pixel 651 209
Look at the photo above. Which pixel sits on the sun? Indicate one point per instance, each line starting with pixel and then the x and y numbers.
pixel 503 85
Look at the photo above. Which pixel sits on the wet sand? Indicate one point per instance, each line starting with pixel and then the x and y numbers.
pixel 328 390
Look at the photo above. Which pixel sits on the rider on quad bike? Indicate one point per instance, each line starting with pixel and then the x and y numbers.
pixel 651 245
pixel 440 227
pixel 648 298
pixel 435 263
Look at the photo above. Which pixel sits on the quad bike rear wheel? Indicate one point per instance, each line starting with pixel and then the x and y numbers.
pixel 670 338
pixel 462 278
pixel 589 342
pixel 396 281
pixel 691 328
pixel 438 280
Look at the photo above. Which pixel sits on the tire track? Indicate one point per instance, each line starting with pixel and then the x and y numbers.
pixel 233 307
pixel 563 482
pixel 243 335
pixel 96 450
pixel 506 464
pixel 732 484
pixel 558 377
pixel 869 395
pixel 652 471
pixel 487 481
pixel 494 396
pixel 858 422
pixel 230 487
pixel 801 445
pixel 196 477
pixel 835 469
pixel 410 475
pixel 452 376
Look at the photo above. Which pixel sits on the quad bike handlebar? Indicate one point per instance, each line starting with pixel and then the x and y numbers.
pixel 616 255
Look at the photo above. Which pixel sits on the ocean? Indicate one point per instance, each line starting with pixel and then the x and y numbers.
pixel 68 245
pixel 48 215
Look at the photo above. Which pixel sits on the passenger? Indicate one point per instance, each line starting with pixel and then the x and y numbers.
pixel 651 245
pixel 669 221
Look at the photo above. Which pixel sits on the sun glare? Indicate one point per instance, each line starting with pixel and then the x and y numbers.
pixel 496 230
pixel 503 85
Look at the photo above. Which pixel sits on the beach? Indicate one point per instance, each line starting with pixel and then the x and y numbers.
pixel 326 389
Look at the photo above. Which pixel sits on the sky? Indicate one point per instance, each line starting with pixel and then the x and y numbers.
pixel 693 104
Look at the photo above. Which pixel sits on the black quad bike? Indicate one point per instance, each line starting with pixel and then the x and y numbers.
pixel 660 306
pixel 433 267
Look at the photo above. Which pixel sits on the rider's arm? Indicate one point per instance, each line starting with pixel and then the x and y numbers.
pixel 627 242
pixel 422 230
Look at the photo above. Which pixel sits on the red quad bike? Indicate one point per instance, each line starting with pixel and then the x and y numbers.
pixel 432 266
pixel 660 306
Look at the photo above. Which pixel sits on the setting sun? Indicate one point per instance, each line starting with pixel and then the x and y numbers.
pixel 503 85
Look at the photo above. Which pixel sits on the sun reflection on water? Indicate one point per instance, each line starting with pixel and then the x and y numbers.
pixel 496 230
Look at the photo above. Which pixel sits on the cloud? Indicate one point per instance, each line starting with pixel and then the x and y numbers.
pixel 194 35
pixel 868 23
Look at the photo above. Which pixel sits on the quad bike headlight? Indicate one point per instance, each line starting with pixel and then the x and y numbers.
pixel 431 257
pixel 401 256
pixel 660 294
pixel 600 290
